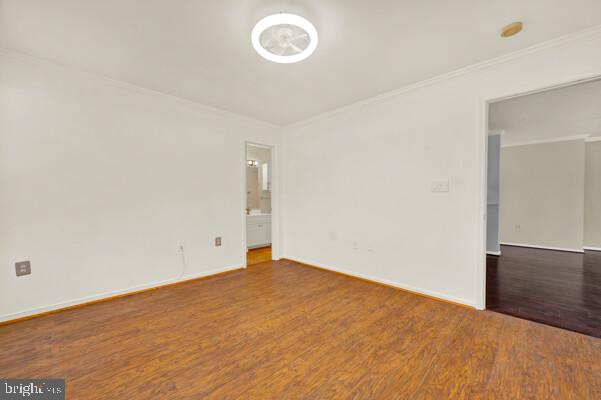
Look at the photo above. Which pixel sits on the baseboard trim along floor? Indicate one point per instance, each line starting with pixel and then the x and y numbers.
pixel 83 302
pixel 535 246
pixel 395 285
pixel 589 248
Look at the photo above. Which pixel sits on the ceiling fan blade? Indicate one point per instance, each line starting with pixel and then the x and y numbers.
pixel 295 48
pixel 278 50
pixel 299 36
pixel 269 42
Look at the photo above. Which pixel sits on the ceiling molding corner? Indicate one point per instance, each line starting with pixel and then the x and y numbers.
pixel 190 104
pixel 593 138
pixel 583 34
pixel 584 138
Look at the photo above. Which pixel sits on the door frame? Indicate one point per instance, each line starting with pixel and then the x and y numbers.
pixel 485 103
pixel 275 187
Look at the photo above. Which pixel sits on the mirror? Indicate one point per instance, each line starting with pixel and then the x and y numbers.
pixel 253 197
pixel 266 182
pixel 258 179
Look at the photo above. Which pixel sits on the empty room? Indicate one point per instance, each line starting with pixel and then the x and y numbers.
pixel 300 199
pixel 544 207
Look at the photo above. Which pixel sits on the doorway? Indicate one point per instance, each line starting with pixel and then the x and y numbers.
pixel 543 231
pixel 258 210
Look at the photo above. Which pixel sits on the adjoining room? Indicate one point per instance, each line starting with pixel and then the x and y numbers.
pixel 277 199
pixel 259 167
pixel 544 207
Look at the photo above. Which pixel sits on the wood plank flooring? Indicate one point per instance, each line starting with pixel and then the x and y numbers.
pixel 257 256
pixel 558 288
pixel 281 330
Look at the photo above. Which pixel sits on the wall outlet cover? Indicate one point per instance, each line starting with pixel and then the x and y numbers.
pixel 440 186
pixel 23 268
pixel 218 241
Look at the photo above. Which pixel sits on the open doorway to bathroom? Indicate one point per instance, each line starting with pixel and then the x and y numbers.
pixel 259 168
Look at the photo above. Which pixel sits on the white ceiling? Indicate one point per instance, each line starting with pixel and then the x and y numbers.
pixel 558 113
pixel 201 50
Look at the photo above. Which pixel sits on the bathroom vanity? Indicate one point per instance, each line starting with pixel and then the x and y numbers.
pixel 258 230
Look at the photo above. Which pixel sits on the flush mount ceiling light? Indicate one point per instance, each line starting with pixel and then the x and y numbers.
pixel 512 29
pixel 284 38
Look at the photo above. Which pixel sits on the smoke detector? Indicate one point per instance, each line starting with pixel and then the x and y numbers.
pixel 284 38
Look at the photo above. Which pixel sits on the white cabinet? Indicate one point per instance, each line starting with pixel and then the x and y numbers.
pixel 258 230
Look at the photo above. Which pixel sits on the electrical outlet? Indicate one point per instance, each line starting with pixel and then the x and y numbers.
pixel 440 186
pixel 218 241
pixel 23 268
pixel 355 245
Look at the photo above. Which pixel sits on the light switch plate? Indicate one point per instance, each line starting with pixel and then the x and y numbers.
pixel 440 186
pixel 23 268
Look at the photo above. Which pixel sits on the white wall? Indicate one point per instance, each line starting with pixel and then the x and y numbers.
pixel 101 182
pixel 395 146
pixel 542 195
pixel 592 196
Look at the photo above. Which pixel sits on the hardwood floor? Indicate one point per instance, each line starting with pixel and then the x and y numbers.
pixel 284 330
pixel 257 256
pixel 553 287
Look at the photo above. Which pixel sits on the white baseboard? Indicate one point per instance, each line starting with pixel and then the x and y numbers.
pixel 259 246
pixel 88 299
pixel 536 246
pixel 592 248
pixel 493 253
pixel 409 288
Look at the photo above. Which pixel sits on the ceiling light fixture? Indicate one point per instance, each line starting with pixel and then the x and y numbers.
pixel 284 38
pixel 512 29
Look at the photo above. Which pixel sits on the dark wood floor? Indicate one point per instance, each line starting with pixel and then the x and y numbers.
pixel 553 287
pixel 281 330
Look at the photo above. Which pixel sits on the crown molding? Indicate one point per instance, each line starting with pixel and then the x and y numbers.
pixel 190 104
pixel 596 30
pixel 583 34
pixel 551 140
